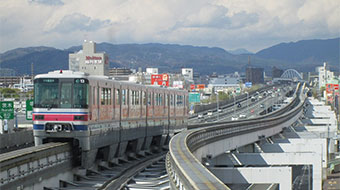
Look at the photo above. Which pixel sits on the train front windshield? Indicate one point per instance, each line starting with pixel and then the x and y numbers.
pixel 60 93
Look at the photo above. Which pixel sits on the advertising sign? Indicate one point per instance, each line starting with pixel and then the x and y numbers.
pixel 6 110
pixel 332 87
pixel 192 86
pixel 194 97
pixel 200 86
pixel 177 84
pixel 29 109
pixel 248 84
pixel 161 79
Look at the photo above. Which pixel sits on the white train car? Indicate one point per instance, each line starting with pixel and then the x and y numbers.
pixel 103 116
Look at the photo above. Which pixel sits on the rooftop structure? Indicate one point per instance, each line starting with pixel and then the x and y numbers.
pixel 89 61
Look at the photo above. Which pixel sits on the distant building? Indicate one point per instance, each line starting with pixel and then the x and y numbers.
pixel 14 81
pixel 255 75
pixel 119 71
pixel 188 73
pixel 324 74
pixel 332 90
pixel 276 72
pixel 121 74
pixel 226 84
pixel 7 72
pixel 89 61
pixel 152 70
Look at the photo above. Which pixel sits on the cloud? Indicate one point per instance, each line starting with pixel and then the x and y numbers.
pixel 79 22
pixel 47 2
pixel 230 24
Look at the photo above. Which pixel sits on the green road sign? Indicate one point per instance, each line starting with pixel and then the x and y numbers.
pixel 6 110
pixel 29 109
pixel 194 97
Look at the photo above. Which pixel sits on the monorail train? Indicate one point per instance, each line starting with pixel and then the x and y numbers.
pixel 97 111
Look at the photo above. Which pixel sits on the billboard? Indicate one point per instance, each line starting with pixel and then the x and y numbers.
pixel 197 87
pixel 160 79
pixel 194 97
pixel 248 84
pixel 177 84
pixel 200 86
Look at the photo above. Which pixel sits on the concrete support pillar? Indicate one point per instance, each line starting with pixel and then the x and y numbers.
pixel 37 141
pixel 112 152
pixel 260 175
pixel 88 158
pixel 122 148
pixel 147 143
pixel 246 149
pixel 139 144
pixel 163 139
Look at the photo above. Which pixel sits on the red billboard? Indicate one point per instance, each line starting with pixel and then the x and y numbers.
pixel 332 87
pixel 160 79
pixel 200 86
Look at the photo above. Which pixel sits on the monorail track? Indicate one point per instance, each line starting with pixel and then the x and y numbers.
pixel 109 176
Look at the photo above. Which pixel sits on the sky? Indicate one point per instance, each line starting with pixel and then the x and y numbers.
pixel 228 24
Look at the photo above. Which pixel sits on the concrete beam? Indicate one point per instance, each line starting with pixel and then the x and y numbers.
pixel 219 147
pixel 308 147
pixel 256 175
pixel 263 159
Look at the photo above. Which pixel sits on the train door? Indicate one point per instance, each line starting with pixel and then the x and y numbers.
pixel 143 103
pixel 124 101
pixel 98 101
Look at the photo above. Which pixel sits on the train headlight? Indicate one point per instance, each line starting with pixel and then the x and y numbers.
pixel 39 117
pixel 58 127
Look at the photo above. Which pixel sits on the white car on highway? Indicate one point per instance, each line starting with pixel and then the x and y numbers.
pixel 242 116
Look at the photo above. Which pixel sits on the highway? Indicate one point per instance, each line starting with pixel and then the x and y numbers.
pixel 188 150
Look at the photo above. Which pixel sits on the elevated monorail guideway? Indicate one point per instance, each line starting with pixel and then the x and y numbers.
pixel 189 149
pixel 17 167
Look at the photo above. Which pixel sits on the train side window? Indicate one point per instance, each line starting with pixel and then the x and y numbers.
pixel 123 97
pixel 166 100
pixel 133 97
pixel 80 95
pixel 144 98
pixel 187 101
pixel 160 99
pixel 106 96
pixel 179 100
pixel 184 100
pixel 117 97
pixel 171 100
pixel 65 95
pixel 109 96
pixel 128 99
pixel 113 96
pixel 102 99
pixel 149 98
pixel 94 95
pixel 137 97
pixel 157 99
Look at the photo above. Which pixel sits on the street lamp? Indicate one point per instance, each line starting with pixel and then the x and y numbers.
pixel 234 104
pixel 247 100
pixel 217 104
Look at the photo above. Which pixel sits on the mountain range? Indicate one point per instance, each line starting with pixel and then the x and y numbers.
pixel 303 56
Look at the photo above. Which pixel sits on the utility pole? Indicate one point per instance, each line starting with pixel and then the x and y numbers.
pixel 32 73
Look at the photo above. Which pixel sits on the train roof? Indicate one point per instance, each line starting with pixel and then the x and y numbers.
pixel 77 74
